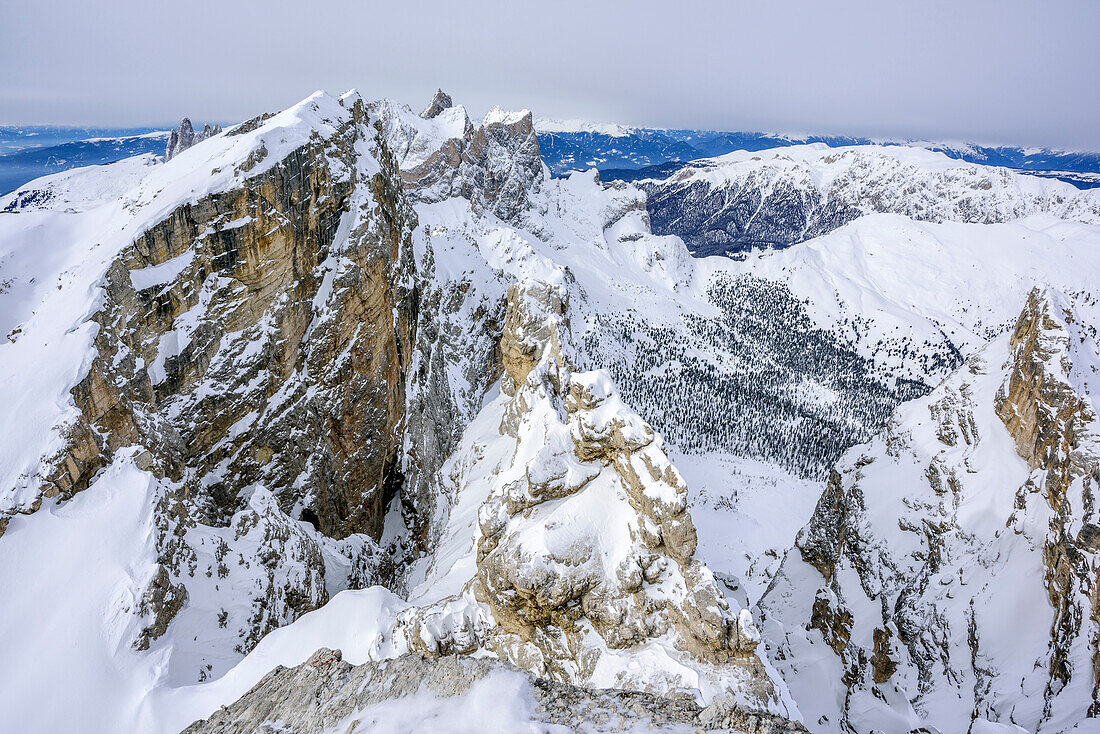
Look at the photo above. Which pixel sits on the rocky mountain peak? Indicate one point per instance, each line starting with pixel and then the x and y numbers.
pixel 585 520
pixel 495 165
pixel 275 311
pixel 441 101
pixel 184 136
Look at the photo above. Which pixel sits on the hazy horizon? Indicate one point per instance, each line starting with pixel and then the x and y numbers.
pixel 926 71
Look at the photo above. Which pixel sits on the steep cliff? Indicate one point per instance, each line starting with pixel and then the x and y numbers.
pixel 251 332
pixel 948 572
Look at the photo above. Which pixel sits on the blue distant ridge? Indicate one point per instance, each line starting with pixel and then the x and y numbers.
pixel 27 153
pixel 35 152
pixel 651 153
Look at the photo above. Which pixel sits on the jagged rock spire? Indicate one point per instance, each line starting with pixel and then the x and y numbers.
pixel 185 136
pixel 579 529
pixel 441 101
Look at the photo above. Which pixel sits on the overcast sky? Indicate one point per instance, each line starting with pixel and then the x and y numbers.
pixel 1006 71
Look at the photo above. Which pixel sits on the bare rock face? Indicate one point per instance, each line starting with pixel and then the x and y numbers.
pixel 184 136
pixel 579 532
pixel 456 360
pixel 441 101
pixel 948 573
pixel 283 319
pixel 442 154
pixel 495 165
pixel 325 693
pixel 255 342
pixel 1053 423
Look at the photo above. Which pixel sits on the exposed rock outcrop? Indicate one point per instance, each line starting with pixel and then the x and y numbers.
pixel 948 573
pixel 325 692
pixel 441 101
pixel 495 165
pixel 275 315
pixel 184 136
pixel 580 530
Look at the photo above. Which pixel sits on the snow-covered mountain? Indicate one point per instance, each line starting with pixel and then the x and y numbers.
pixel 949 570
pixel 353 377
pixel 30 154
pixel 770 199
pixel 619 151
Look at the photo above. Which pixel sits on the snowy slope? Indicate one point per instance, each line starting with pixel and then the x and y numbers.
pixel 947 572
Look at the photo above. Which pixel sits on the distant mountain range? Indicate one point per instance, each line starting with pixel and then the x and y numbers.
pixel 629 153
pixel 29 152
pixel 620 153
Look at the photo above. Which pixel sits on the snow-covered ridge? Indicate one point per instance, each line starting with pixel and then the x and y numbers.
pixel 828 159
pixel 549 125
pixel 148 136
pixel 624 151
pixel 80 189
pixel 778 197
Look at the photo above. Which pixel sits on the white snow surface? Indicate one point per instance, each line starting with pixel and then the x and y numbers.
pixel 572 125
pixel 80 189
pixel 747 514
pixel 922 280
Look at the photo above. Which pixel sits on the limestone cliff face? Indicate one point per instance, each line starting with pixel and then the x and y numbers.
pixel 1055 431
pixel 261 335
pixel 456 360
pixel 255 344
pixel 948 572
pixel 495 167
pixel 585 553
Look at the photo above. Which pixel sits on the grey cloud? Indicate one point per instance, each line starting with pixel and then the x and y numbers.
pixel 1008 71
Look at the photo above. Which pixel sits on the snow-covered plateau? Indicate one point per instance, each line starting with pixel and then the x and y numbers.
pixel 349 418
